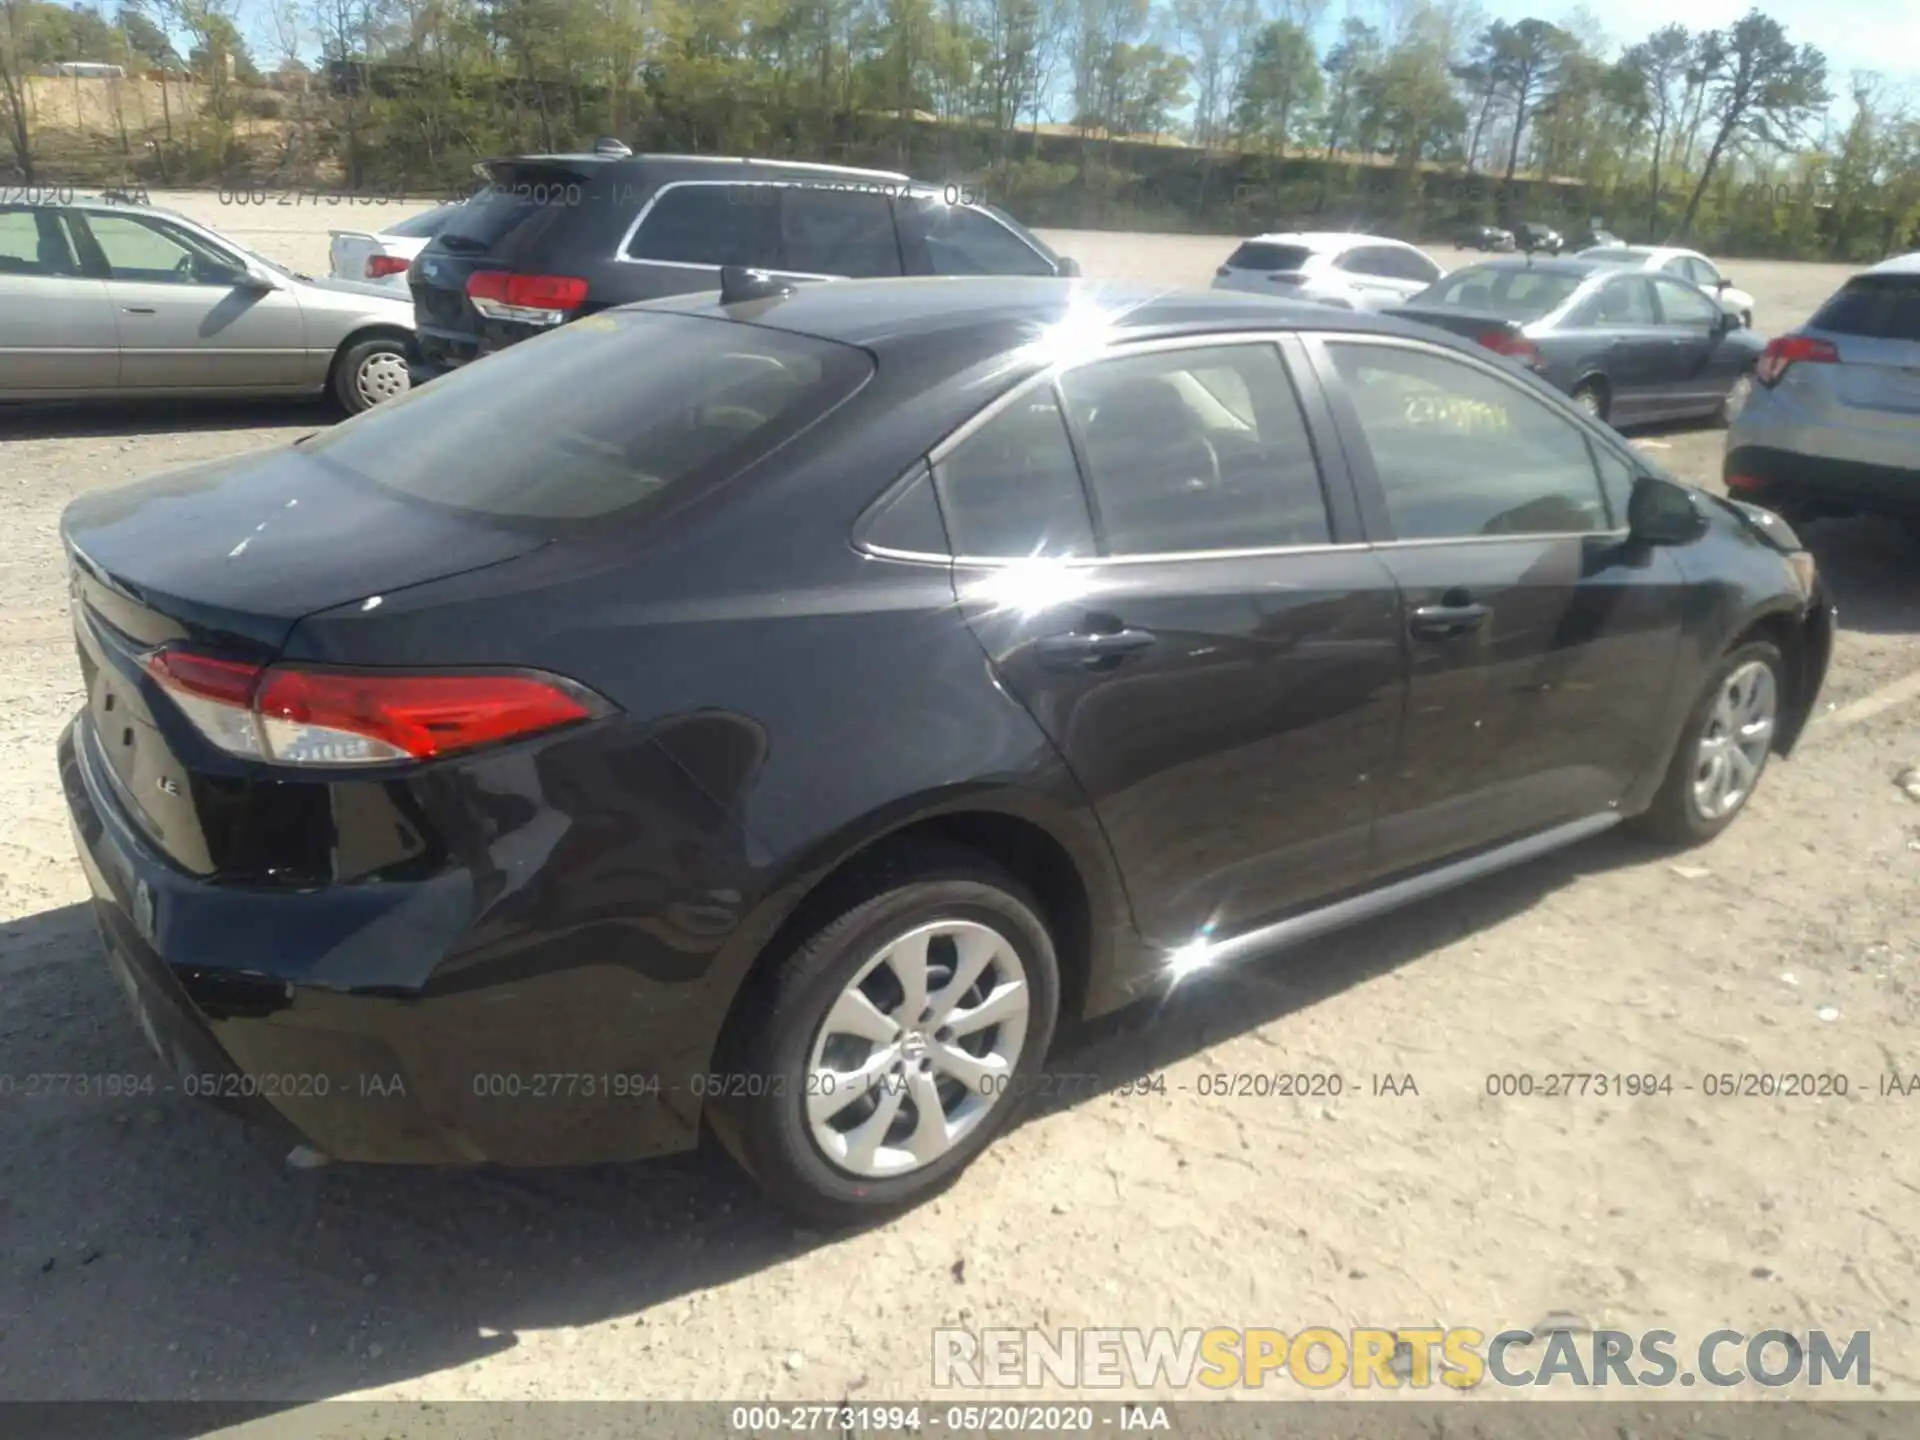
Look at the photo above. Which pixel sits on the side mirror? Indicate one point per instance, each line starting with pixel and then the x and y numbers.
pixel 1069 266
pixel 1722 283
pixel 1727 324
pixel 1660 512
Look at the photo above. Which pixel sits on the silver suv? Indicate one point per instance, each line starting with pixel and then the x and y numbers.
pixel 1832 426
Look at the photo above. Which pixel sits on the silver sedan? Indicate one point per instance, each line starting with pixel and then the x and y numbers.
pixel 102 299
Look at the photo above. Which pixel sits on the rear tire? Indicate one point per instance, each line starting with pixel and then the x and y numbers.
pixel 370 372
pixel 1722 751
pixel 836 1006
pixel 1592 397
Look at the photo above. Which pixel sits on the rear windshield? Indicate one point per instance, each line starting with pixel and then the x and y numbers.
pixel 425 225
pixel 607 413
pixel 519 200
pixel 1882 307
pixel 1263 255
pixel 1519 293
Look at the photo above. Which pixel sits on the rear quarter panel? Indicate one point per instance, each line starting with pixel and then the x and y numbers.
pixel 817 697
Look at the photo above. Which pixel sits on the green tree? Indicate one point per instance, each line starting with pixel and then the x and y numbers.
pixel 1282 79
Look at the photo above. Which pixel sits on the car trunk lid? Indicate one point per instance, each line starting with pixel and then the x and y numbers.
pixel 226 558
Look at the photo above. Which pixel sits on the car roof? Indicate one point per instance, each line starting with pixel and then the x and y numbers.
pixel 1323 239
pixel 1908 264
pixel 1554 265
pixel 694 163
pixel 988 314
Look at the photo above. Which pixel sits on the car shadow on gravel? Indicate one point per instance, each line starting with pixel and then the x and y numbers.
pixel 1198 1013
pixel 80 420
pixel 173 1248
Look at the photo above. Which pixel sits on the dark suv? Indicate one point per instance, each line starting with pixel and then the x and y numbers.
pixel 555 237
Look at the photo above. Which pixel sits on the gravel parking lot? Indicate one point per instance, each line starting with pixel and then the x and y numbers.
pixel 150 1247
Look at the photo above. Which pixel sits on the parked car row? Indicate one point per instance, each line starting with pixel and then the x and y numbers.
pixel 1669 343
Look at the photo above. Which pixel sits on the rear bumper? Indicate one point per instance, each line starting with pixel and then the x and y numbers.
pixel 340 1057
pixel 1788 480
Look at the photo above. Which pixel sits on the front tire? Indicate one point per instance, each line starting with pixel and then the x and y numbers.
pixel 891 1046
pixel 1591 396
pixel 371 372
pixel 1723 749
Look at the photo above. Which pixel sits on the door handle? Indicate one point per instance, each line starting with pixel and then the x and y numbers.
pixel 138 309
pixel 1092 650
pixel 1440 622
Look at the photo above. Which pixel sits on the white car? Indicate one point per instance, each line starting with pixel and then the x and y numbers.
pixel 1688 265
pixel 1354 272
pixel 382 257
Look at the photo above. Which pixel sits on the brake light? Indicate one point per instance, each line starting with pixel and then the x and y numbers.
pixel 381 266
pixel 291 715
pixel 537 299
pixel 1785 351
pixel 1514 345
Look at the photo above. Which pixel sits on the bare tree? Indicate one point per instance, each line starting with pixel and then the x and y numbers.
pixel 13 84
pixel 1763 91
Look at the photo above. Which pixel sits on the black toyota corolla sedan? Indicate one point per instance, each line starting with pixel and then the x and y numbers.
pixel 774 711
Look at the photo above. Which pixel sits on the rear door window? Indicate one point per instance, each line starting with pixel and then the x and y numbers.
pixel 712 225
pixel 601 416
pixel 1877 307
pixel 827 231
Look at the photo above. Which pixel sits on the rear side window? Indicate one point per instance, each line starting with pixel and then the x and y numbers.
pixel 713 225
pixel 599 416
pixel 1262 255
pixel 1879 307
pixel 426 225
pixel 837 232
pixel 1011 490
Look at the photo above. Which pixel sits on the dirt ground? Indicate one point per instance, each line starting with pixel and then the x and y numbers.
pixel 153 1248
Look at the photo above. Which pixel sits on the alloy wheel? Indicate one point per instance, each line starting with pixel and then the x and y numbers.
pixel 916 1050
pixel 381 376
pixel 1735 741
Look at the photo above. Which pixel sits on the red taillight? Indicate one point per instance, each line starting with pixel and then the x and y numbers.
pixel 228 682
pixel 381 266
pixel 505 295
pixel 1507 342
pixel 1789 350
pixel 1743 482
pixel 295 716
